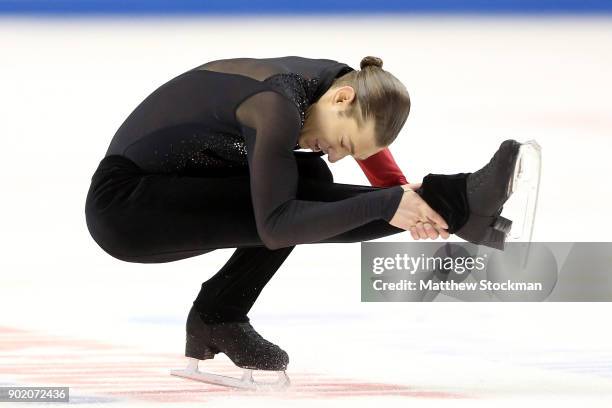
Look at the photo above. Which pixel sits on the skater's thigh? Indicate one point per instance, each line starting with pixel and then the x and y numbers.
pixel 164 217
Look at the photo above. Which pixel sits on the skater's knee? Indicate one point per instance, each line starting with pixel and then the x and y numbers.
pixel 325 174
pixel 109 235
pixel 314 167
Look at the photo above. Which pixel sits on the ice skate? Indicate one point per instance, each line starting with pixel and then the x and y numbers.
pixel 471 203
pixel 242 344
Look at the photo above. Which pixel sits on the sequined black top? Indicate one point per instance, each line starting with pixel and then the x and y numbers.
pixel 188 125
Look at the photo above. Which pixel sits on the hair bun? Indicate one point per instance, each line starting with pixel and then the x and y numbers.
pixel 371 61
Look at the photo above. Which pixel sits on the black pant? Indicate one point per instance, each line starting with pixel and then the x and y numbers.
pixel 150 218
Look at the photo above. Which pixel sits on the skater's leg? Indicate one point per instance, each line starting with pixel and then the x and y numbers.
pixel 231 292
pixel 151 218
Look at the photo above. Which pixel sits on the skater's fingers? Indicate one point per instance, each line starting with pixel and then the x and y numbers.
pixel 432 233
pixel 444 234
pixel 435 218
pixel 414 233
pixel 421 230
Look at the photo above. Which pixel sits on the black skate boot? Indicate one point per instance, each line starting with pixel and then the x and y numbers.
pixel 241 343
pixel 471 203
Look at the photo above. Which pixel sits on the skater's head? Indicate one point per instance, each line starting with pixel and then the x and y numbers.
pixel 361 113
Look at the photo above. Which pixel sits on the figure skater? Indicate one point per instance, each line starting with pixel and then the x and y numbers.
pixel 211 159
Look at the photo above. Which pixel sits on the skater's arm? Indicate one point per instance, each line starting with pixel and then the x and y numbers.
pixel 271 126
pixel 382 170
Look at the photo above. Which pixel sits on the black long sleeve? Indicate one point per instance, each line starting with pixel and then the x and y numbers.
pixel 282 220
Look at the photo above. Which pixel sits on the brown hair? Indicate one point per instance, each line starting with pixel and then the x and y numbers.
pixel 378 95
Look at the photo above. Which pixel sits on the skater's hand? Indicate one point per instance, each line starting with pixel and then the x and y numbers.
pixel 415 215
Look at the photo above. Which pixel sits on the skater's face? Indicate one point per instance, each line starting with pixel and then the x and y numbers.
pixel 334 132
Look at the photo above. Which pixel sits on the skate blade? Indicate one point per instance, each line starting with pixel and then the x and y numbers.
pixel 524 190
pixel 247 382
pixel 527 166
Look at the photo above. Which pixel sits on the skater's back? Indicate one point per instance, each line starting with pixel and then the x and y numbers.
pixel 189 123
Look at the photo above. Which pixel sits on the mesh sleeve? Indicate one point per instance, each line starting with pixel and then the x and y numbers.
pixel 271 126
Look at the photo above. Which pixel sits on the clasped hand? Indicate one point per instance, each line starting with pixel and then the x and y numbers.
pixel 413 214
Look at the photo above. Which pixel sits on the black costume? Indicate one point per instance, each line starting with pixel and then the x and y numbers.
pixel 182 177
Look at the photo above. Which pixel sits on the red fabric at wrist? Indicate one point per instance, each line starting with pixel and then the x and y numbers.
pixel 382 170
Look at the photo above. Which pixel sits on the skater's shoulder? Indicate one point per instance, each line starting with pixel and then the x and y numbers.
pixel 267 107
